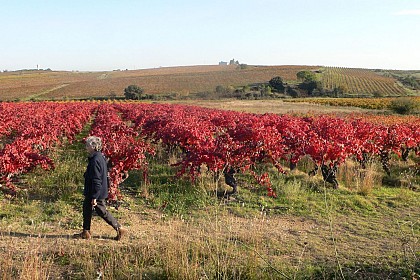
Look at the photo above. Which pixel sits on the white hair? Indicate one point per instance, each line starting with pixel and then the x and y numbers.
pixel 94 142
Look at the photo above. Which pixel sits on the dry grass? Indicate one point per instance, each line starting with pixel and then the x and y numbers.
pixel 362 180
pixel 214 243
pixel 270 106
pixel 32 264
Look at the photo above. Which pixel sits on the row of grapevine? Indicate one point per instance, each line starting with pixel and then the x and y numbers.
pixel 223 141
pixel 366 103
pixel 121 146
pixel 29 130
pixel 360 81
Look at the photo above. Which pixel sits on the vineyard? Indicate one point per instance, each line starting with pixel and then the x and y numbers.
pixel 360 82
pixel 222 142
pixel 366 103
pixel 209 193
pixel 182 81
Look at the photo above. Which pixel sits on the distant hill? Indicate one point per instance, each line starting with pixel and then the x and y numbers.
pixel 182 80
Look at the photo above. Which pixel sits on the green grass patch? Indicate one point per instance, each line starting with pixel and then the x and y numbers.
pixel 181 230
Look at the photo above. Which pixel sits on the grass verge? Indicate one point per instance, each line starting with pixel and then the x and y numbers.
pixel 181 230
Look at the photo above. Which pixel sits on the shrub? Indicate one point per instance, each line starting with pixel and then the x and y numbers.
pixel 404 106
pixel 220 89
pixel 378 94
pixel 306 76
pixel 277 84
pixel 310 86
pixel 292 92
pixel 133 92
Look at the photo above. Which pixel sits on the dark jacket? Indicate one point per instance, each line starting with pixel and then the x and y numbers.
pixel 96 183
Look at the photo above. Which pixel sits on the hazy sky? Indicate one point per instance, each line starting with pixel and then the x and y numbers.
pixel 122 34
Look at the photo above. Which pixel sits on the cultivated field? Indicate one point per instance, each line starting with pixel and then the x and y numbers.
pixel 360 81
pixel 181 81
pixel 278 106
pixel 276 226
pixel 365 103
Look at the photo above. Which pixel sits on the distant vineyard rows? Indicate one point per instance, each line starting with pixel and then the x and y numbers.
pixel 182 80
pixel 366 103
pixel 360 81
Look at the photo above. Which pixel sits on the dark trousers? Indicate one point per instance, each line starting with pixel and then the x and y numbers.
pixel 100 210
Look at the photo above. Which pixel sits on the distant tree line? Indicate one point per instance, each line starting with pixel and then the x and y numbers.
pixel 26 70
pixel 274 88
pixel 308 85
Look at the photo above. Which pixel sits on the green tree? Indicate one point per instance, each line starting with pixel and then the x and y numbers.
pixel 133 92
pixel 292 91
pixel 306 76
pixel 277 84
pixel 340 90
pixel 310 86
pixel 266 91
pixel 309 81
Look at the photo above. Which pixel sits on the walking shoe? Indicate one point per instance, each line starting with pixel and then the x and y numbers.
pixel 120 233
pixel 85 234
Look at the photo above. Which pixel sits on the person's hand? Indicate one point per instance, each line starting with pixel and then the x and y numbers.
pixel 94 202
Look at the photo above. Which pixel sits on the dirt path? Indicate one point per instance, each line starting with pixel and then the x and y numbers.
pixel 36 95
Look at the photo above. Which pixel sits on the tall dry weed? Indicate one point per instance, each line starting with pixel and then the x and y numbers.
pixel 6 265
pixel 33 264
pixel 362 180
pixel 36 266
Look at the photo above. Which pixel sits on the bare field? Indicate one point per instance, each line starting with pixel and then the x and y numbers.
pixel 184 80
pixel 181 80
pixel 272 106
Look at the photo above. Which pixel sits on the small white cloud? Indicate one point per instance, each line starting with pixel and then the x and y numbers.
pixel 408 13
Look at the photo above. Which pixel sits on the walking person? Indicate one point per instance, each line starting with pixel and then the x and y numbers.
pixel 96 190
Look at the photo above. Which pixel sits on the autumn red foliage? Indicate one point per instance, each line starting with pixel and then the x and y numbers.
pixel 217 140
